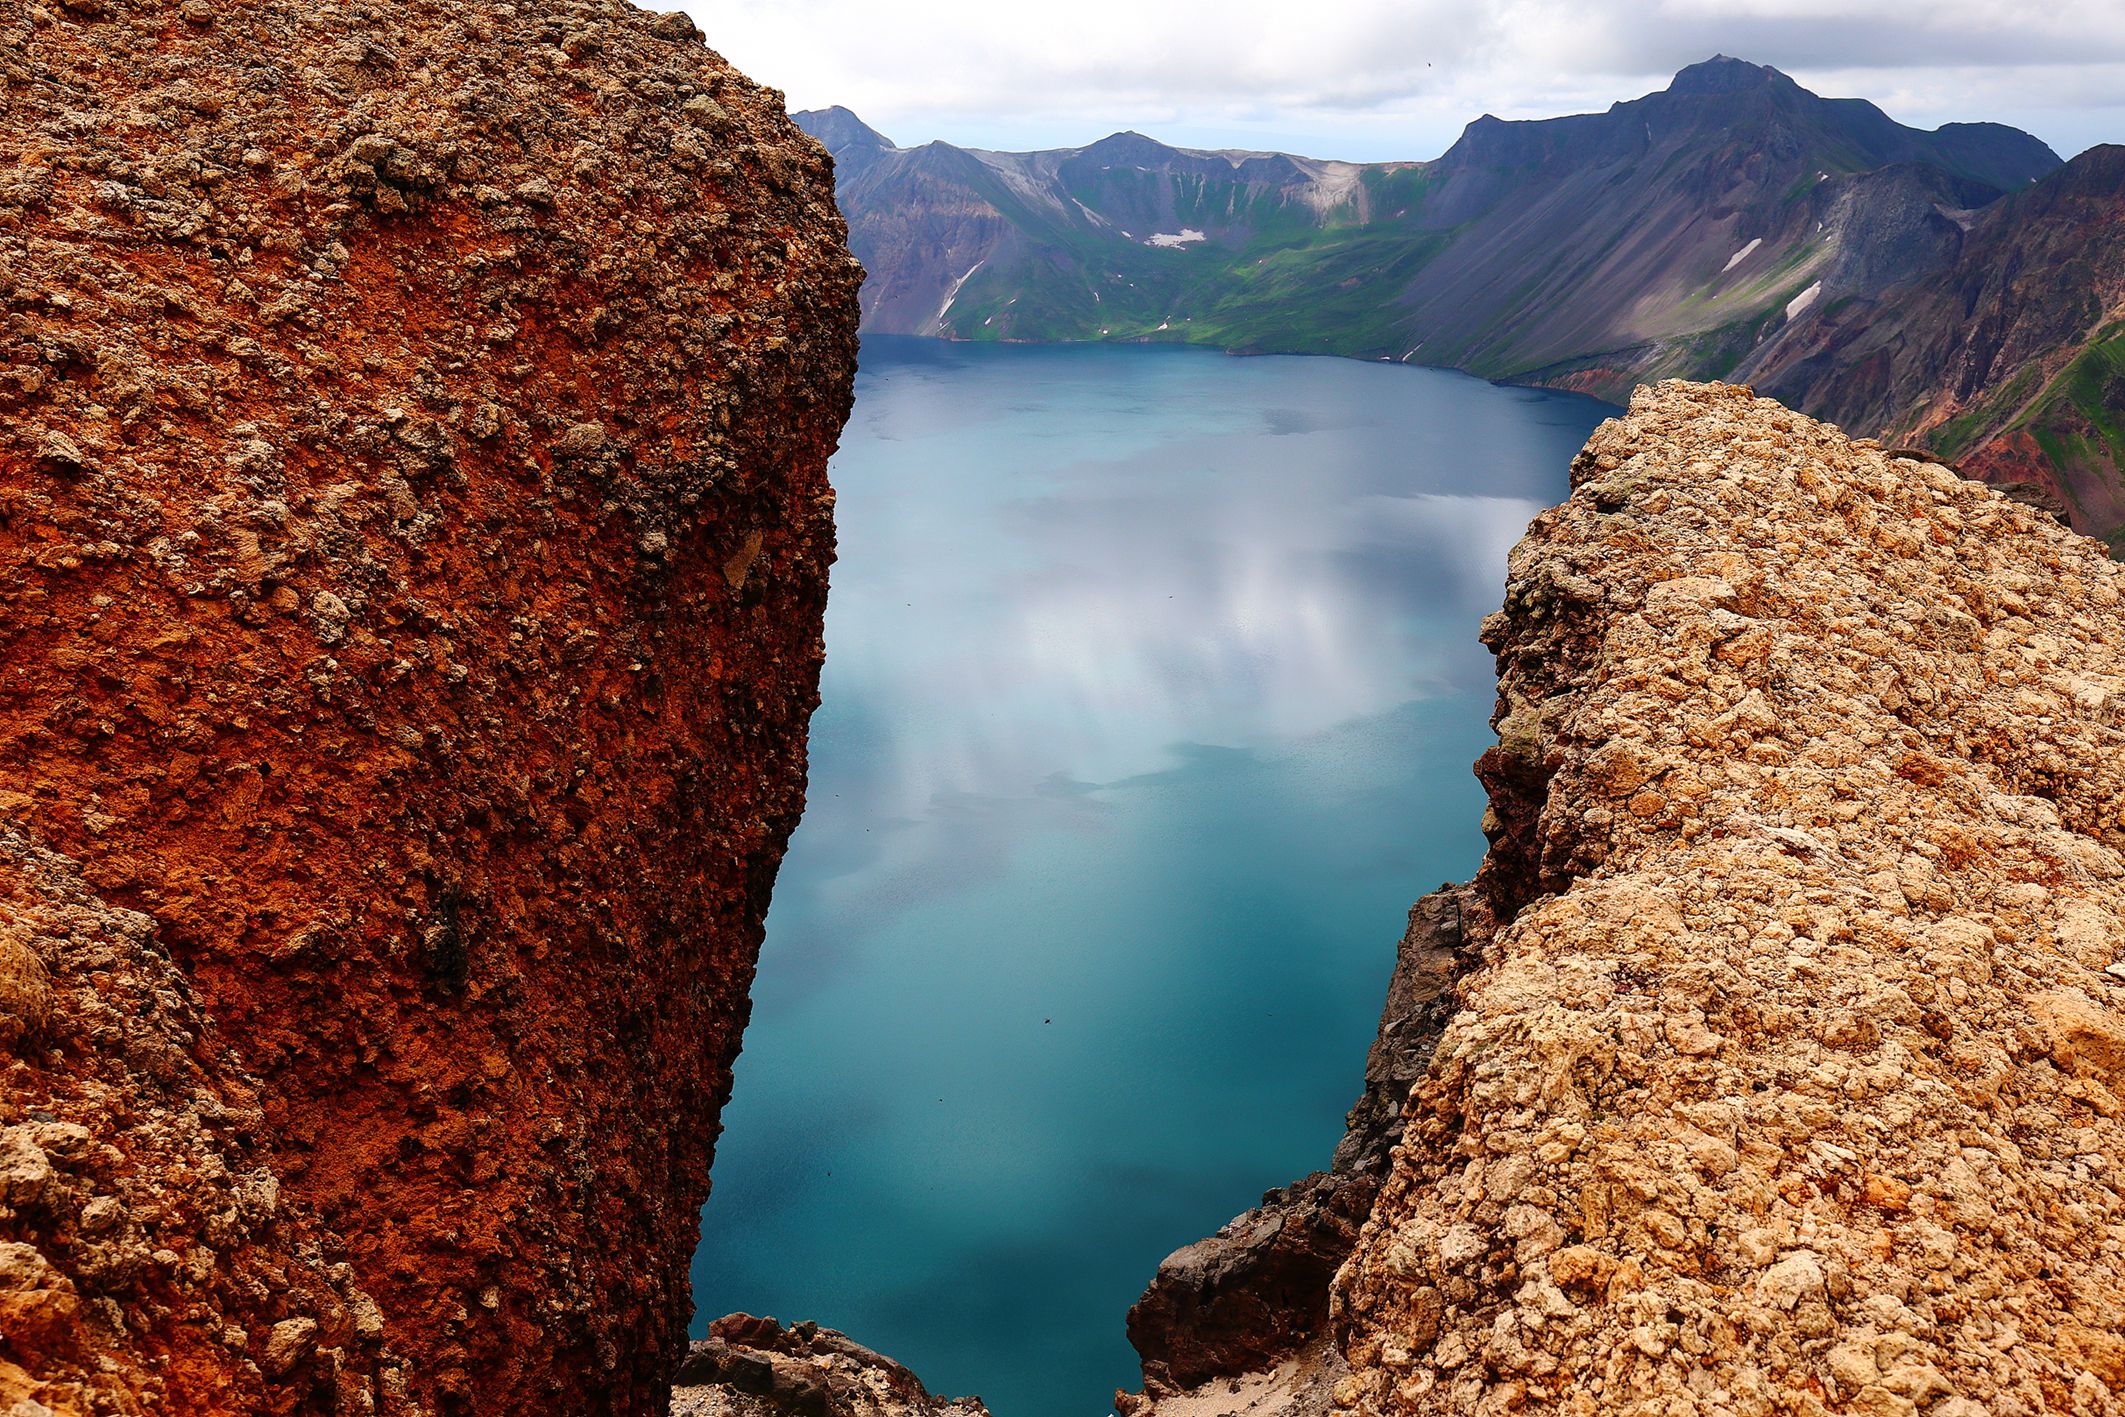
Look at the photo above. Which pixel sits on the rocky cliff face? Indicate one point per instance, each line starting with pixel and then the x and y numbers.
pixel 413 536
pixel 1788 1074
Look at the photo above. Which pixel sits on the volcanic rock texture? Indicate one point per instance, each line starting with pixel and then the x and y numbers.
pixel 1794 1079
pixel 413 536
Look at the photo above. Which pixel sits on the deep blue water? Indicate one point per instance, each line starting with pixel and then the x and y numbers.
pixel 1151 691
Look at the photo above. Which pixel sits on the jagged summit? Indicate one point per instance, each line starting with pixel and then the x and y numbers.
pixel 1684 231
pixel 1128 146
pixel 839 129
pixel 1732 223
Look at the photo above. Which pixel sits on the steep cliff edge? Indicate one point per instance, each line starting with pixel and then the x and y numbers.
pixel 1789 1073
pixel 413 540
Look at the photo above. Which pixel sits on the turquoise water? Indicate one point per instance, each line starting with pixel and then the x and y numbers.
pixel 1151 691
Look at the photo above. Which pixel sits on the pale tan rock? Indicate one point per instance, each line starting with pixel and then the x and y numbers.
pixel 25 986
pixel 1794 1079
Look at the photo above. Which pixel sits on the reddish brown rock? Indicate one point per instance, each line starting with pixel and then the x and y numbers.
pixel 413 538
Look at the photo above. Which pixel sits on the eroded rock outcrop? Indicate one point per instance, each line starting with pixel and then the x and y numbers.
pixel 1791 1078
pixel 754 1367
pixel 413 535
pixel 1794 1081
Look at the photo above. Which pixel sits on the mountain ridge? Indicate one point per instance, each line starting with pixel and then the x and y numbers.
pixel 1130 238
pixel 2011 359
pixel 1732 225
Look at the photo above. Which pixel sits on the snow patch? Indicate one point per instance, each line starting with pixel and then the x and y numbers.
pixel 1803 300
pixel 1093 216
pixel 1742 255
pixel 1186 236
pixel 953 294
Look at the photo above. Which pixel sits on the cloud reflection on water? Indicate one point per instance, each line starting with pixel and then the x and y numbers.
pixel 1074 634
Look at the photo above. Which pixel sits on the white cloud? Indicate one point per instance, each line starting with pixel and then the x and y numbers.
pixel 1346 78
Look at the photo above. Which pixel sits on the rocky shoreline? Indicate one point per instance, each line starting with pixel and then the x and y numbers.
pixel 754 1367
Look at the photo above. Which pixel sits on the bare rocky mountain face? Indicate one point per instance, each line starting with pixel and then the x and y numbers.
pixel 1785 1065
pixel 413 542
pixel 1671 234
pixel 2010 360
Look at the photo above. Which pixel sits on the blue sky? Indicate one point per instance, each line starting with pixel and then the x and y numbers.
pixel 1370 81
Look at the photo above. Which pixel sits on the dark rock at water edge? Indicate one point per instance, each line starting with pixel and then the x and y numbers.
pixel 754 1367
pixel 1251 1302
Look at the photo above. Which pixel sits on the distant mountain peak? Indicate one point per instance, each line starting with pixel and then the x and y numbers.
pixel 840 131
pixel 1724 74
pixel 1129 146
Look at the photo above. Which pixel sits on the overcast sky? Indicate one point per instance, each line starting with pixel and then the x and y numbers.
pixel 1368 80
